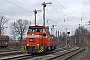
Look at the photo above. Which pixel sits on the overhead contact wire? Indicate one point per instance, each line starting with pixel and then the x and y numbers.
pixel 18 6
pixel 65 9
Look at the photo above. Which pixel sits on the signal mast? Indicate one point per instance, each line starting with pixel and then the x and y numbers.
pixel 44 5
pixel 35 12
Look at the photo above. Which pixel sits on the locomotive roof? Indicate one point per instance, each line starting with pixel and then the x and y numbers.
pixel 5 36
pixel 36 26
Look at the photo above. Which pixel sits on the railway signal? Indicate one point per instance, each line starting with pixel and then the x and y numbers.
pixel 52 29
pixel 35 12
pixel 44 5
pixel 68 32
pixel 53 25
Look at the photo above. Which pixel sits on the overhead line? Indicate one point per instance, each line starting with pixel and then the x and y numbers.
pixel 78 9
pixel 65 9
pixel 18 6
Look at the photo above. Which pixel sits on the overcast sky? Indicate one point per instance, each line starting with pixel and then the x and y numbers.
pixel 70 10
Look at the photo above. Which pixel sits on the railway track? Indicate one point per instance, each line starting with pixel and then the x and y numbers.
pixel 67 55
pixel 17 57
pixel 8 50
pixel 20 56
pixel 73 54
pixel 4 54
pixel 60 55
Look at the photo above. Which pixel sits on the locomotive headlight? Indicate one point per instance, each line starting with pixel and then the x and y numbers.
pixel 31 39
pixel 27 44
pixel 5 43
pixel 38 44
pixel 32 34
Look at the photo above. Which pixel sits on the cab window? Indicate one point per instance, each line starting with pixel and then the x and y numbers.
pixel 35 30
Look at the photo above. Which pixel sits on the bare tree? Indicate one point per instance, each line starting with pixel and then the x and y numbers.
pixel 81 35
pixel 62 38
pixel 19 28
pixel 3 21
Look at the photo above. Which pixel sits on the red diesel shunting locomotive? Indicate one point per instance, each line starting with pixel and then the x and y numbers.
pixel 39 40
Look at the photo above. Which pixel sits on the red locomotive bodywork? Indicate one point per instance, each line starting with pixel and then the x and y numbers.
pixel 39 40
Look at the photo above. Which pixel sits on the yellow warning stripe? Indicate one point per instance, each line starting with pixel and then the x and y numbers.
pixel 24 50
pixel 41 49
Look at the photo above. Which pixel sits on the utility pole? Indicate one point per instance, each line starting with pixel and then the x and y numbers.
pixel 58 38
pixel 0 27
pixel 44 5
pixel 35 12
pixel 56 33
pixel 30 23
pixel 68 40
pixel 79 35
pixel 66 36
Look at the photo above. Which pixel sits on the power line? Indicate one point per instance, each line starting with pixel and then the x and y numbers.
pixel 65 9
pixel 78 9
pixel 18 6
